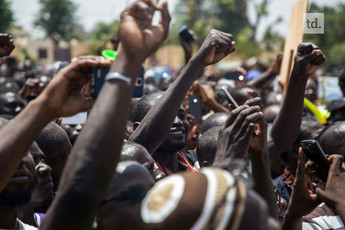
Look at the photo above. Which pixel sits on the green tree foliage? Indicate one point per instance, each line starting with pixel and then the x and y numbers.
pixel 197 15
pixel 231 15
pixel 6 16
pixel 226 15
pixel 58 20
pixel 101 34
pixel 332 42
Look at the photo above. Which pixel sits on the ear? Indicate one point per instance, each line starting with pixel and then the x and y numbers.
pixel 135 125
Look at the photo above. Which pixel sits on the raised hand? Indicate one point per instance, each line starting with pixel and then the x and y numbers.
pixel 307 59
pixel 334 191
pixel 63 95
pixel 275 68
pixel 303 199
pixel 303 196
pixel 216 46
pixel 6 45
pixel 236 134
pixel 138 36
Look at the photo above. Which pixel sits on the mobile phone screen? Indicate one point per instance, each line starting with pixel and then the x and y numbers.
pixel 195 108
pixel 98 77
pixel 314 152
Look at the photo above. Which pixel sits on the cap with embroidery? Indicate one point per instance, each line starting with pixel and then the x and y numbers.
pixel 211 199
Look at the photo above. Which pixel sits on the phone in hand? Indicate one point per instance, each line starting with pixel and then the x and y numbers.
pixel 195 108
pixel 98 77
pixel 314 152
pixel 186 34
pixel 228 96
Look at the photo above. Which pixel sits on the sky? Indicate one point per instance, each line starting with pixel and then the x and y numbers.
pixel 91 12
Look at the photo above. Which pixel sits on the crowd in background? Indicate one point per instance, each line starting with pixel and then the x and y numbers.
pixel 180 156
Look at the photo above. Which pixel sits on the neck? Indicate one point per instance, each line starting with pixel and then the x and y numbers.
pixel 167 160
pixel 8 218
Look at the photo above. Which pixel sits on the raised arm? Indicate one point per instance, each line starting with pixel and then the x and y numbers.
pixel 96 152
pixel 287 124
pixel 333 193
pixel 236 138
pixel 62 97
pixel 268 74
pixel 303 199
pixel 159 119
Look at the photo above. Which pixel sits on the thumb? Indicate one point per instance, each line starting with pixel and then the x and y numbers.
pixel 321 194
pixel 87 104
pixel 311 56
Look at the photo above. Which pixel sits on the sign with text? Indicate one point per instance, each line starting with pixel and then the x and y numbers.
pixel 314 23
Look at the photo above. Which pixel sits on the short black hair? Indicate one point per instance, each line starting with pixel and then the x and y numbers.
pixel 216 119
pixel 145 104
pixel 207 145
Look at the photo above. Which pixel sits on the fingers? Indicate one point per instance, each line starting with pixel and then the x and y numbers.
pixel 311 56
pixel 141 10
pixel 249 124
pixel 166 18
pixel 244 118
pixel 305 48
pixel 300 172
pixel 233 115
pixel 254 101
pixel 222 41
pixel 312 53
pixel 93 61
pixel 336 165
pixel 253 93
pixel 87 104
pixel 320 59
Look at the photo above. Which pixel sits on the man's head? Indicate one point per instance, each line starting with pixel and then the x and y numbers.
pixel 311 90
pixel 19 188
pixel 271 112
pixel 43 191
pixel 120 208
pixel 55 144
pixel 332 138
pixel 216 119
pixel 177 136
pixel 132 151
pixel 211 199
pixel 207 146
pixel 11 103
pixel 239 93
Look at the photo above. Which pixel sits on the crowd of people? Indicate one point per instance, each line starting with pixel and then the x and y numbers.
pixel 148 162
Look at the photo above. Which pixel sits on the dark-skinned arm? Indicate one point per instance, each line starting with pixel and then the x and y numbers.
pixel 268 74
pixel 159 119
pixel 333 193
pixel 287 124
pixel 236 139
pixel 62 97
pixel 95 154
pixel 259 156
pixel 303 199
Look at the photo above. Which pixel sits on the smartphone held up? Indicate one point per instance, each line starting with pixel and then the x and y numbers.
pixel 316 155
pixel 98 76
